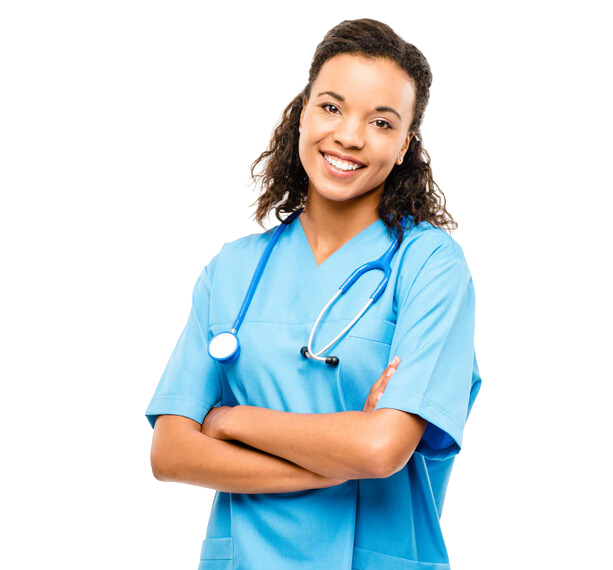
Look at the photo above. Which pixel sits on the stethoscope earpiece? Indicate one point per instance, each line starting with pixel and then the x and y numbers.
pixel 331 360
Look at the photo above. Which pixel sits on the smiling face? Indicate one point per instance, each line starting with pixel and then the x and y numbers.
pixel 354 127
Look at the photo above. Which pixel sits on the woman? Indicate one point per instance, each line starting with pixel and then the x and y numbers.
pixel 340 462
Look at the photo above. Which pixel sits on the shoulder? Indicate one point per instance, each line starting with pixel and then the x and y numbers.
pixel 424 239
pixel 429 253
pixel 247 244
pixel 236 254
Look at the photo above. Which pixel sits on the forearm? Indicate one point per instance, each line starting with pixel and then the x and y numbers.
pixel 198 459
pixel 238 469
pixel 337 445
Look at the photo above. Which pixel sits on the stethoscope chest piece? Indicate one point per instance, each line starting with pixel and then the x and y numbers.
pixel 224 347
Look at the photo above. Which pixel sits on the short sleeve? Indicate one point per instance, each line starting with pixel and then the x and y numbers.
pixel 438 378
pixel 190 385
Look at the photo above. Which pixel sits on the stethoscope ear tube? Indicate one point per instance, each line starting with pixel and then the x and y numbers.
pixel 382 264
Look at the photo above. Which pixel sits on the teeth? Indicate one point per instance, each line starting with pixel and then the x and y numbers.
pixel 341 164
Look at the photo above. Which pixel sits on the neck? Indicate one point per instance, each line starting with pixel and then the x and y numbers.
pixel 330 224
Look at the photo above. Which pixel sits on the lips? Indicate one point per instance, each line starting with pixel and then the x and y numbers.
pixel 342 161
pixel 337 171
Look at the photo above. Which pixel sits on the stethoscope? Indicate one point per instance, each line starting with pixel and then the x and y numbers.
pixel 225 348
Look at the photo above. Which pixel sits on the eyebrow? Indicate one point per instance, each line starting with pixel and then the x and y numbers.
pixel 380 109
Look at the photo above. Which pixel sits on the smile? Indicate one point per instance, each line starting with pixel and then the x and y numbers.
pixel 343 165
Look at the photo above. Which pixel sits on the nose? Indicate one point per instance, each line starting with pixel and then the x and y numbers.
pixel 349 133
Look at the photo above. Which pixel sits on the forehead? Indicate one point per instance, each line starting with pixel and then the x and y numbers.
pixel 368 82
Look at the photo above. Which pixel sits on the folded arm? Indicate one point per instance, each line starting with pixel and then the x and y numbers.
pixel 344 445
pixel 341 445
pixel 181 452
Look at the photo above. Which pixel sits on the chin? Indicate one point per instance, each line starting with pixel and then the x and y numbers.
pixel 343 194
pixel 340 196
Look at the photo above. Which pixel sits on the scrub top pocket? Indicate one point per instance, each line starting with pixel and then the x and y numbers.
pixel 363 358
pixel 216 554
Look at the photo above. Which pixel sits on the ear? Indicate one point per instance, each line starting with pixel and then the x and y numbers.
pixel 404 148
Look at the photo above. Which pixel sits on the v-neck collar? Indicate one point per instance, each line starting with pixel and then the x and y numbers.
pixel 356 240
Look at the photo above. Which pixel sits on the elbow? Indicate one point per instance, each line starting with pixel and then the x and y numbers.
pixel 396 466
pixel 385 460
pixel 379 462
pixel 171 444
pixel 395 439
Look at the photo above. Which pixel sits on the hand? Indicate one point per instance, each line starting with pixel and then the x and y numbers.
pixel 212 424
pixel 379 386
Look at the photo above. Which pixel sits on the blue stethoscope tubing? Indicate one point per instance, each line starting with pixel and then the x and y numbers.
pixel 384 264
pixel 260 269
pixel 225 347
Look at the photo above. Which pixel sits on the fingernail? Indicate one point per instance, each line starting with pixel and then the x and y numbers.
pixel 391 371
pixel 379 396
pixel 395 361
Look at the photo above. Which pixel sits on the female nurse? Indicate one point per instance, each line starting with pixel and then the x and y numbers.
pixel 340 462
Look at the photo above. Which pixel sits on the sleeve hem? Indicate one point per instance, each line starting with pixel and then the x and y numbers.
pixel 178 406
pixel 443 436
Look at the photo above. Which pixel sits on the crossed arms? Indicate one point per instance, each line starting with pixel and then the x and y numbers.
pixel 246 449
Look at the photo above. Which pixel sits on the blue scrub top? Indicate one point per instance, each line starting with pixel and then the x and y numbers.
pixel 426 316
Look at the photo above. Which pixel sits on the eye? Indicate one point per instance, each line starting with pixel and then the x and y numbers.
pixel 326 105
pixel 385 125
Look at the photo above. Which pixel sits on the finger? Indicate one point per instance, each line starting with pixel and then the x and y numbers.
pixel 371 402
pixel 380 384
pixel 387 374
pixel 377 391
pixel 386 378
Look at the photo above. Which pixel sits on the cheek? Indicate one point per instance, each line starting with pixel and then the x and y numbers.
pixel 386 150
pixel 386 156
pixel 302 149
pixel 311 134
pixel 308 144
pixel 315 127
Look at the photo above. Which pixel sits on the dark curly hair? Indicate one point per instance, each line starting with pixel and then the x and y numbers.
pixel 409 188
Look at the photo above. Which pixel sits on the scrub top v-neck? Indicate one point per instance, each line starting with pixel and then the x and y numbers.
pixel 367 232
pixel 426 316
